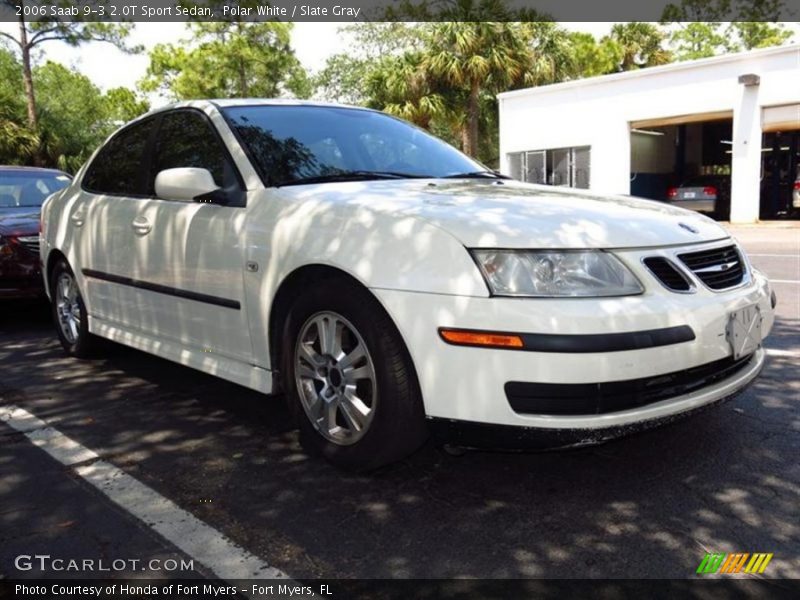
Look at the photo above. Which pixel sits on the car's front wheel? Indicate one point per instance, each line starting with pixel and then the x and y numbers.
pixel 69 313
pixel 350 380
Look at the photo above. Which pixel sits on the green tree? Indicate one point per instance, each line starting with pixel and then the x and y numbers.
pixel 400 86
pixel 758 25
pixel 695 40
pixel 477 58
pixel 757 34
pixel 123 105
pixel 638 45
pixel 697 28
pixel 17 143
pixel 591 57
pixel 698 31
pixel 73 116
pixel 552 56
pixel 228 59
pixel 45 29
pixel 344 75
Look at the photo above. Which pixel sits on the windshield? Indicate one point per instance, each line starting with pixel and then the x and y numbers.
pixel 296 144
pixel 18 189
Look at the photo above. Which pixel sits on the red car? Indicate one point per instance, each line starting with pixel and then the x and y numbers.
pixel 22 192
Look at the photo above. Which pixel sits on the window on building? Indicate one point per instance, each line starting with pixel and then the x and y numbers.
pixel 559 166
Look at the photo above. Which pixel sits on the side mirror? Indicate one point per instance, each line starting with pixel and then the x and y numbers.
pixel 185 184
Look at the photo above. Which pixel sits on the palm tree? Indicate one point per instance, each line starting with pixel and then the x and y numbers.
pixel 641 45
pixel 17 143
pixel 553 53
pixel 400 86
pixel 476 57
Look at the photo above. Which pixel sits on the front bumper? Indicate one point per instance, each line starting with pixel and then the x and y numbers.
pixel 467 384
pixel 469 434
pixel 20 276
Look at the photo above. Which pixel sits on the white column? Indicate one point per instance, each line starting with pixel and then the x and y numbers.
pixel 611 157
pixel 746 158
pixel 503 165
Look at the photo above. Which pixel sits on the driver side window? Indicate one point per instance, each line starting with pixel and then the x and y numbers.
pixel 185 139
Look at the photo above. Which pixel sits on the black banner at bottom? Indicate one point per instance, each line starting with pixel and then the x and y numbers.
pixel 396 589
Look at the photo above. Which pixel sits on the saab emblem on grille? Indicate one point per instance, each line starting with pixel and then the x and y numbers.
pixel 721 268
pixel 689 228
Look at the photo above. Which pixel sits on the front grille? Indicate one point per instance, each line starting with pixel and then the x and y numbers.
pixel 670 277
pixel 719 269
pixel 615 396
pixel 30 243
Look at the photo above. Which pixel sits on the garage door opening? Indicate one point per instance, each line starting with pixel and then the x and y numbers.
pixel 780 175
pixel 686 161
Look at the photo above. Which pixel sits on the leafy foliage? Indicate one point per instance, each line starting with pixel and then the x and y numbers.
pixel 441 71
pixel 74 116
pixel 49 28
pixel 699 32
pixel 639 45
pixel 123 105
pixel 228 60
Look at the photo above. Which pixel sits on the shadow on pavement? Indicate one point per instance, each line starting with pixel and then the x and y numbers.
pixel 651 505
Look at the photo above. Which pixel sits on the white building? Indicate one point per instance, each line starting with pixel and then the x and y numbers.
pixel 736 117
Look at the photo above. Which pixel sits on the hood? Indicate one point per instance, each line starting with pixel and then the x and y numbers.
pixel 20 221
pixel 509 214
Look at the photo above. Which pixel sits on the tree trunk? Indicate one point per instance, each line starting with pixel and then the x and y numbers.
pixel 244 92
pixel 27 76
pixel 473 117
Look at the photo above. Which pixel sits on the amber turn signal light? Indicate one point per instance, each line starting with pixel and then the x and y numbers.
pixel 486 339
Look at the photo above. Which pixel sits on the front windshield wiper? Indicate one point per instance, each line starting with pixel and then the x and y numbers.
pixel 478 175
pixel 351 176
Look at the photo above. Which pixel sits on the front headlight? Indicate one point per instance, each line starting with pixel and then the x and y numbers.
pixel 567 273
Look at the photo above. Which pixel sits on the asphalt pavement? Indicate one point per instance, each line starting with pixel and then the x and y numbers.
pixel 651 506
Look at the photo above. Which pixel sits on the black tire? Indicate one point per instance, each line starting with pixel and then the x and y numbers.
pixel 398 424
pixel 85 344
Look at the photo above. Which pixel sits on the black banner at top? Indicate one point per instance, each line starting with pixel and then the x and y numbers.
pixel 153 11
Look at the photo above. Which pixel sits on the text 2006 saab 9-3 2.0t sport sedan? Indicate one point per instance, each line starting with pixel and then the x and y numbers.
pixel 391 286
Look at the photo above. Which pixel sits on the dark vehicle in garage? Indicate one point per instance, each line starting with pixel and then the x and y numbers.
pixel 22 192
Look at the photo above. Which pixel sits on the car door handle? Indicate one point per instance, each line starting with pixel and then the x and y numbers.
pixel 77 218
pixel 141 226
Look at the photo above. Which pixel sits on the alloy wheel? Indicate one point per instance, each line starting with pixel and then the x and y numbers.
pixel 68 309
pixel 335 378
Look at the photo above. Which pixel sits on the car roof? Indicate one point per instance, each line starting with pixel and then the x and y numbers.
pixel 230 102
pixel 31 170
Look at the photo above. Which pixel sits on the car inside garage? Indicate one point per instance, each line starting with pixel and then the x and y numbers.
pixel 685 161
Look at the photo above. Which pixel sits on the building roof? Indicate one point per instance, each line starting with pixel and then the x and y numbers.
pixel 687 65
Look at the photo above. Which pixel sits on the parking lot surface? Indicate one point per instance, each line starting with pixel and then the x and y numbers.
pixel 652 505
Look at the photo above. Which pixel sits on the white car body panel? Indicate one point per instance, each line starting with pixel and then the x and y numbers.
pixel 511 214
pixel 466 384
pixel 406 241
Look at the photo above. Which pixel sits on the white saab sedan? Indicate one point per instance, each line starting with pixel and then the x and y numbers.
pixel 392 287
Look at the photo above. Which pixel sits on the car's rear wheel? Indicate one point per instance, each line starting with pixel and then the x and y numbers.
pixel 69 313
pixel 349 378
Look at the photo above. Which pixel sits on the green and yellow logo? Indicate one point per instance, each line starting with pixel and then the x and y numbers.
pixel 740 562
